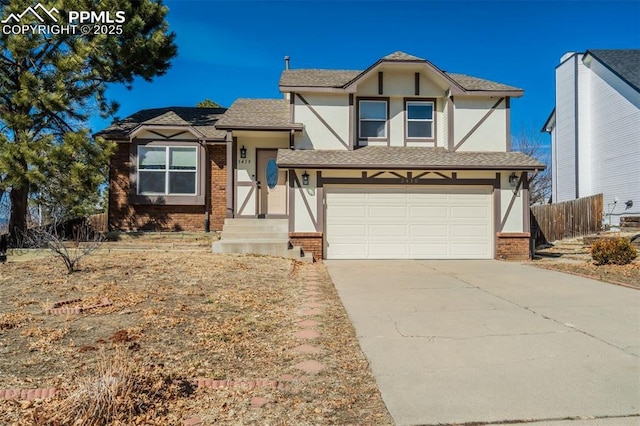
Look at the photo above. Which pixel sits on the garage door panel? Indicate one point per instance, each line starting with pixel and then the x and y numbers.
pixel 469 250
pixel 429 251
pixel 387 250
pixel 416 195
pixel 428 231
pixel 433 212
pixel 469 212
pixel 349 230
pixel 468 231
pixel 349 251
pixel 387 211
pixel 388 231
pixel 348 211
pixel 408 223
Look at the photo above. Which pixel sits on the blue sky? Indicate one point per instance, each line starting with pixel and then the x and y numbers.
pixel 232 49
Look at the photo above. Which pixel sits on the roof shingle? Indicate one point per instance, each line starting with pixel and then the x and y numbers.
pixel 339 78
pixel 202 119
pixel 624 62
pixel 258 114
pixel 392 157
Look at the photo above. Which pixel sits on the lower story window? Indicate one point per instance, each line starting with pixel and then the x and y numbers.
pixel 167 170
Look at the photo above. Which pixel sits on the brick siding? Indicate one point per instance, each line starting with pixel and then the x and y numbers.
pixel 154 217
pixel 512 246
pixel 311 242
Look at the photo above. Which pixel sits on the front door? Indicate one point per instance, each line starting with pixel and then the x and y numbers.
pixel 272 185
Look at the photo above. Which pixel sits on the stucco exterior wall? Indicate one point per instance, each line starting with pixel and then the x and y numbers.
pixel 245 174
pixel 328 131
pixel 491 135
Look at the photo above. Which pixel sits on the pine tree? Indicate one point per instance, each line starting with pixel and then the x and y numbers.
pixel 208 103
pixel 50 84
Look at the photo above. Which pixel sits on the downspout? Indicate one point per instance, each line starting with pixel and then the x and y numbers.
pixel 207 189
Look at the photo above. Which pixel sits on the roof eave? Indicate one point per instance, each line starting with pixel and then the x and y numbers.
pixel 195 132
pixel 405 167
pixel 614 72
pixel 317 89
pixel 547 127
pixel 510 93
pixel 297 128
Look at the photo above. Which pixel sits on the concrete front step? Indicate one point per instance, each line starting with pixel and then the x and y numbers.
pixel 247 232
pixel 272 222
pixel 258 236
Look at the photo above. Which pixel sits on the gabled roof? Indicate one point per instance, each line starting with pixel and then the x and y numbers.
pixel 625 63
pixel 258 114
pixel 203 120
pixel 401 56
pixel 550 123
pixel 400 157
pixel 341 79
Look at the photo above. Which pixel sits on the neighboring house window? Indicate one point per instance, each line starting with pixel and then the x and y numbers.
pixel 419 119
pixel 167 170
pixel 373 119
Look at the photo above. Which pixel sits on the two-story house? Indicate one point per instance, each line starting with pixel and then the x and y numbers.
pixel 399 161
pixel 595 130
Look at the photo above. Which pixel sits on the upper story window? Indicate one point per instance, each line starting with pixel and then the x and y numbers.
pixel 420 122
pixel 167 170
pixel 372 119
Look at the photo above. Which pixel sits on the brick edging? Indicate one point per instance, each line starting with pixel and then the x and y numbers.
pixel 59 309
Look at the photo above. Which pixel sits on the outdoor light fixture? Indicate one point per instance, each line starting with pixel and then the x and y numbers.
pixel 513 180
pixel 629 204
pixel 243 152
pixel 305 178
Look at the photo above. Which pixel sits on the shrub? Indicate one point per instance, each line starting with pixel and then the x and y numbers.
pixel 121 391
pixel 617 251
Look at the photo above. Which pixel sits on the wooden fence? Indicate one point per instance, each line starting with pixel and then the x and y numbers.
pixel 98 222
pixel 568 219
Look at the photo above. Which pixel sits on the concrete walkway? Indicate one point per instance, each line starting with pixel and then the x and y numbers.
pixel 454 342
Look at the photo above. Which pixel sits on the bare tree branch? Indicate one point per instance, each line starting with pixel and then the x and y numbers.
pixel 531 142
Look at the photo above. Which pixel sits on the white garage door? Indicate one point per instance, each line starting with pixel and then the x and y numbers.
pixel 408 223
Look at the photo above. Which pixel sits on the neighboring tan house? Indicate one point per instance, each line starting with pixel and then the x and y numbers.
pixel 595 130
pixel 399 161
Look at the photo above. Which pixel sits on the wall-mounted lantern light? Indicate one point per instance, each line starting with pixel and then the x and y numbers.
pixel 513 180
pixel 629 204
pixel 305 178
pixel 243 152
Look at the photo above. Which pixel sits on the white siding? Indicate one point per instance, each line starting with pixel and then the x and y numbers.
pixel 584 138
pixel 615 140
pixel 565 165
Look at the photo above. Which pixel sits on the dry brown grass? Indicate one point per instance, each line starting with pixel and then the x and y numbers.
pixel 177 315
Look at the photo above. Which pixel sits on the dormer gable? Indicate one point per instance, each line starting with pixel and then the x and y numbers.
pixel 347 81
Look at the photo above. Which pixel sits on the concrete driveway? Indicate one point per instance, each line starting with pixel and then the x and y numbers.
pixel 486 341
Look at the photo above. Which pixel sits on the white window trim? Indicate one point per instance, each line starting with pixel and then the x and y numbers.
pixel 386 120
pixel 432 120
pixel 166 171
